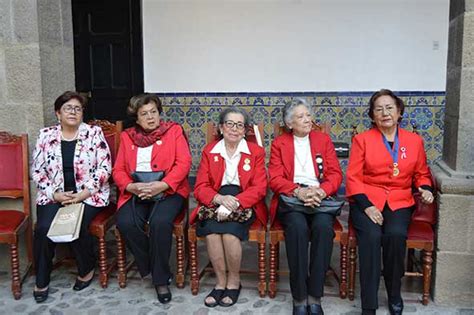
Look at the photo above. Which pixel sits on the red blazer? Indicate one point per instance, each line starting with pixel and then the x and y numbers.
pixel 282 164
pixel 172 155
pixel 252 182
pixel 370 169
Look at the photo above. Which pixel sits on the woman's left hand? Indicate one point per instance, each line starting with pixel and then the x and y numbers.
pixel 152 189
pixel 315 196
pixel 426 195
pixel 78 197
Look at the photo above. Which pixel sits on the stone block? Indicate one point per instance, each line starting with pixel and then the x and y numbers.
pixel 49 22
pixel 456 8
pixel 66 18
pixel 25 21
pixel 3 78
pixel 23 73
pixel 450 140
pixel 455 42
pixel 455 227
pixel 468 41
pixel 12 119
pixel 469 5
pixel 454 284
pixel 5 21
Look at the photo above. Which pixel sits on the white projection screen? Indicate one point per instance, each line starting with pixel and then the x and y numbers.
pixel 294 45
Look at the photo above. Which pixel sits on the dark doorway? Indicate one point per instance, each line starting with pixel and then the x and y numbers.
pixel 108 55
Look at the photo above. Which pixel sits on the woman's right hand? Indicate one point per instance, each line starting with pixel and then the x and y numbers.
pixel 63 197
pixel 374 214
pixel 136 188
pixel 228 201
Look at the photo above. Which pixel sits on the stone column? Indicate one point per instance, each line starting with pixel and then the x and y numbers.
pixel 36 66
pixel 454 275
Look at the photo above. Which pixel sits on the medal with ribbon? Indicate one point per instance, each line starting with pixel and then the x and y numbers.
pixel 393 152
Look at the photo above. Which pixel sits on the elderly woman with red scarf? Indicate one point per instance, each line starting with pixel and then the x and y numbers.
pixel 151 173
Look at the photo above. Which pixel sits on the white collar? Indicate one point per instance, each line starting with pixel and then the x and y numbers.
pixel 242 147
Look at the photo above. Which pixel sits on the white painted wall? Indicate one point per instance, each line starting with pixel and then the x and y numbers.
pixel 294 45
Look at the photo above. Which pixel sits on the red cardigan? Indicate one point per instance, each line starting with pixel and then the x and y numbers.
pixel 252 182
pixel 171 155
pixel 370 169
pixel 282 164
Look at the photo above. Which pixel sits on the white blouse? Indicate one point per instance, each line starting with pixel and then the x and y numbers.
pixel 144 159
pixel 231 174
pixel 304 165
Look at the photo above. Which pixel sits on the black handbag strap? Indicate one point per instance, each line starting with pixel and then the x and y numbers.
pixel 135 214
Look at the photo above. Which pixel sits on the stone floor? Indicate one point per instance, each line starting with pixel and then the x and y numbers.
pixel 139 296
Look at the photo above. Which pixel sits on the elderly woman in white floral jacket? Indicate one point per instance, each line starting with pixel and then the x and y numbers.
pixel 71 164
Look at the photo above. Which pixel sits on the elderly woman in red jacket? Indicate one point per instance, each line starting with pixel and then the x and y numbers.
pixel 384 164
pixel 303 164
pixel 231 182
pixel 149 148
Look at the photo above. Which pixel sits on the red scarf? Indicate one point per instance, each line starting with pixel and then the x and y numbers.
pixel 144 139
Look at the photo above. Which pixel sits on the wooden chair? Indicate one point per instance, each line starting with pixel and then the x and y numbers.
pixel 257 232
pixel 106 218
pixel 420 237
pixel 277 235
pixel 14 184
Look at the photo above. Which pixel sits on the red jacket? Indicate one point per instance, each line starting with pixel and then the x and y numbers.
pixel 282 164
pixel 172 156
pixel 252 182
pixel 370 169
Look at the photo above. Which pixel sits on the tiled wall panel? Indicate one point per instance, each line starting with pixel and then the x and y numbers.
pixel 341 109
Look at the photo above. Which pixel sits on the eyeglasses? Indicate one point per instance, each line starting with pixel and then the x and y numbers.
pixel 231 124
pixel 388 108
pixel 72 109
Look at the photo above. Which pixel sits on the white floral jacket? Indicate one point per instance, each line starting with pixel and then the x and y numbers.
pixel 92 165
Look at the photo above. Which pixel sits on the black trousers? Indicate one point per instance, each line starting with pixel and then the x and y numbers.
pixel 43 247
pixel 152 252
pixel 371 239
pixel 300 229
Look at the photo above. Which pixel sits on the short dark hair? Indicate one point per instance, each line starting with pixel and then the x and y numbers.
pixel 386 92
pixel 66 97
pixel 234 110
pixel 137 101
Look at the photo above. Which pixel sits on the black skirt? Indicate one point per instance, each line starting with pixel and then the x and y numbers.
pixel 211 226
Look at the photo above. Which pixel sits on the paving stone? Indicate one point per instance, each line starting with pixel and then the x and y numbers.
pixel 54 311
pixel 20 308
pixel 260 303
pixel 62 305
pixel 87 304
pixel 275 309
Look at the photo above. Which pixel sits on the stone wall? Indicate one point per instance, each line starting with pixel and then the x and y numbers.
pixel 36 65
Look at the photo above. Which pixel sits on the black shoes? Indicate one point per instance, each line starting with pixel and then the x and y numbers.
pixel 81 285
pixel 163 297
pixel 41 296
pixel 315 309
pixel 300 309
pixel 395 308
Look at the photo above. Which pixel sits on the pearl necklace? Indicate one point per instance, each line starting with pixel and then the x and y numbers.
pixel 69 139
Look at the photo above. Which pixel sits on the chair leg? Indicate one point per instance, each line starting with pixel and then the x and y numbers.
pixel 277 255
pixel 261 270
pixel 193 261
pixel 272 283
pixel 15 264
pixel 427 268
pixel 180 261
pixel 103 276
pixel 410 262
pixel 343 262
pixel 352 272
pixel 121 260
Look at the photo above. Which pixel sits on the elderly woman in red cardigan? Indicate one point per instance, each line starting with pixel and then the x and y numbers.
pixel 231 184
pixel 149 148
pixel 385 162
pixel 303 164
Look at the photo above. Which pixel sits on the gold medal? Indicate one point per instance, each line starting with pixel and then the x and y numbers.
pixel 396 171
pixel 247 161
pixel 158 142
pixel 246 167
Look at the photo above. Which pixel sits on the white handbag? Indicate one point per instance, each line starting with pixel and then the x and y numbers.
pixel 66 224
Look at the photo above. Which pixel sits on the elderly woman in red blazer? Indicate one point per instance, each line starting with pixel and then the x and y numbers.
pixel 231 180
pixel 294 171
pixel 385 162
pixel 151 146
